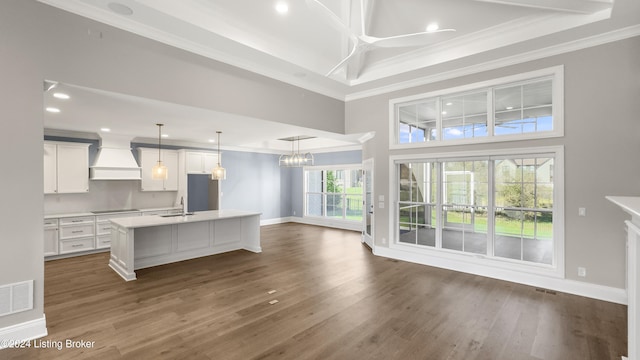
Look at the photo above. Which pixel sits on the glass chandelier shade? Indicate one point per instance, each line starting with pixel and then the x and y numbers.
pixel 218 173
pixel 159 171
pixel 296 159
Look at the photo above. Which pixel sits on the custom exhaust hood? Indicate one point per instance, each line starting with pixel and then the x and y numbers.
pixel 114 160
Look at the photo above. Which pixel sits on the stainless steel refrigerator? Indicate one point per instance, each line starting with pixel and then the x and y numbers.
pixel 203 193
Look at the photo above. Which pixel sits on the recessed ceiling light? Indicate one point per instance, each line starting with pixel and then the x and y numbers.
pixel 120 8
pixel 212 140
pixel 433 27
pixel 449 104
pixel 165 135
pixel 53 110
pixel 509 107
pixel 60 96
pixel 444 113
pixel 282 7
pixel 105 129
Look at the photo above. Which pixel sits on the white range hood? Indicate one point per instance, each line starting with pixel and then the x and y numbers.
pixel 115 160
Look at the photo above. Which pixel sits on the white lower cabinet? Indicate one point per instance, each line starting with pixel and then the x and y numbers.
pixel 50 237
pixel 77 234
pixel 103 227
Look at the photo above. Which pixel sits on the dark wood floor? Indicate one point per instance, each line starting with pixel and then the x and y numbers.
pixel 336 301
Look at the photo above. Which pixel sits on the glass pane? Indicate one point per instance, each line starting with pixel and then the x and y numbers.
pixel 314 181
pixel 508 234
pixel 537 94
pixel 368 198
pixel 314 204
pixel 334 206
pixel 353 207
pixel 465 197
pixel 508 98
pixel 416 122
pixel 537 238
pixel 464 116
pixel 425 236
pixel 335 181
pixel 544 183
pixel 508 189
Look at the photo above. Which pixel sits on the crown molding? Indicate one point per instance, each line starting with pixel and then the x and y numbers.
pixel 575 45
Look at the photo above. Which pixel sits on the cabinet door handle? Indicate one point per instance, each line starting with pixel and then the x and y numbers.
pixel 76 221
pixel 77 231
pixel 77 245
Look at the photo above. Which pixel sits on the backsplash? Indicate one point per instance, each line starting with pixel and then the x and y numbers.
pixel 109 195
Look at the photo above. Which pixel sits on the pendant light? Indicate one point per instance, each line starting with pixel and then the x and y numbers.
pixel 296 159
pixel 218 173
pixel 159 171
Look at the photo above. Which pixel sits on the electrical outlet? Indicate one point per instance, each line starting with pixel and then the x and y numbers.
pixel 384 241
pixel 582 211
pixel 582 272
pixel 294 213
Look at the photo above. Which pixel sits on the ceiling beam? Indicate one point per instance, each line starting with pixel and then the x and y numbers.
pixel 572 6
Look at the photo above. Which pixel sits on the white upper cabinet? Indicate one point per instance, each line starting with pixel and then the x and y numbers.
pixel 66 167
pixel 200 162
pixel 148 159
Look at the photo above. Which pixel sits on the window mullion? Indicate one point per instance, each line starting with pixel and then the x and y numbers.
pixel 439 217
pixel 491 208
pixel 490 113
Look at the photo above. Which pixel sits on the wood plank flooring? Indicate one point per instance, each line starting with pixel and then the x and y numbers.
pixel 335 301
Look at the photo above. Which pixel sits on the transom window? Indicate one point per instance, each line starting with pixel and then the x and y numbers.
pixel 518 107
pixel 497 206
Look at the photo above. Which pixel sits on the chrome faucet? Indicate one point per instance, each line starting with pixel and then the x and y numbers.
pixel 182 205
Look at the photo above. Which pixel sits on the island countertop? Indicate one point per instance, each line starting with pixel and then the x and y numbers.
pixel 156 220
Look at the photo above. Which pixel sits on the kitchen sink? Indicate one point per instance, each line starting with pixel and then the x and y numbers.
pixel 174 215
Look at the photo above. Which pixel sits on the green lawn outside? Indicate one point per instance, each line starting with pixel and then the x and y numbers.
pixel 504 225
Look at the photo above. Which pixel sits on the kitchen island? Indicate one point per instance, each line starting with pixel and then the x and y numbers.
pixel 141 242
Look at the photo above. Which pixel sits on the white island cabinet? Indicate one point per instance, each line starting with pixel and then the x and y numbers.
pixel 145 241
pixel 631 204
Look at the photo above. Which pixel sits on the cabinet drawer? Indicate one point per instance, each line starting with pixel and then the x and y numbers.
pixel 50 223
pixel 69 246
pixel 103 241
pixel 67 232
pixel 104 228
pixel 77 220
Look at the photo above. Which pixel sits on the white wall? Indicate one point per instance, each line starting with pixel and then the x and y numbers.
pixel 602 129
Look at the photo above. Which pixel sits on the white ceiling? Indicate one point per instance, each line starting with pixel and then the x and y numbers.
pixel 303 45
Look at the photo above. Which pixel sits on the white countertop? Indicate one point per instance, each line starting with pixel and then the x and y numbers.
pixel 157 220
pixel 89 213
pixel 630 204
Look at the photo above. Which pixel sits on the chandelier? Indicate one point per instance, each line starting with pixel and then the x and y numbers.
pixel 296 158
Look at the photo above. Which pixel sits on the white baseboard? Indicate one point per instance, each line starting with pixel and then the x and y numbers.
pixel 594 291
pixel 275 221
pixel 344 225
pixel 25 331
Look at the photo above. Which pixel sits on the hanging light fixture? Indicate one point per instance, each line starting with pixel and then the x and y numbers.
pixel 159 171
pixel 218 173
pixel 296 159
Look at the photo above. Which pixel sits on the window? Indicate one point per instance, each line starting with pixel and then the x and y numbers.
pixel 334 193
pixel 524 106
pixel 498 205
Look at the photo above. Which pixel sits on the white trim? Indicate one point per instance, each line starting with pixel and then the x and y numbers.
pixel 25 331
pixel 338 224
pixel 575 45
pixel 594 291
pixel 274 221
pixel 498 264
pixel 334 167
pixel 555 73
pixel 369 164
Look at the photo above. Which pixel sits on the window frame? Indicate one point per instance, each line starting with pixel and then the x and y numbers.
pixel 324 169
pixel 555 74
pixel 556 269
